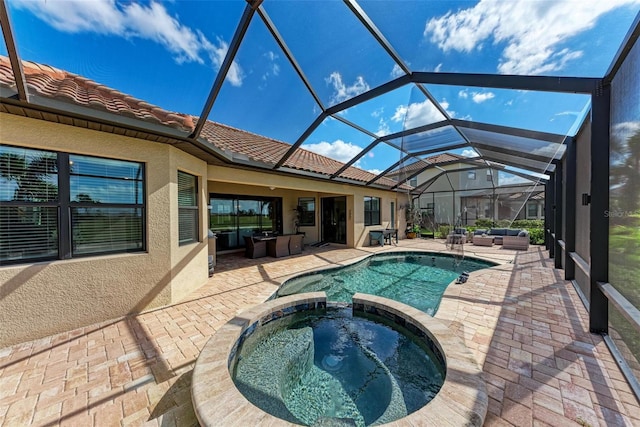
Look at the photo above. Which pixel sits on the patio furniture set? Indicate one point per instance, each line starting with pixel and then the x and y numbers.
pixel 509 238
pixel 275 246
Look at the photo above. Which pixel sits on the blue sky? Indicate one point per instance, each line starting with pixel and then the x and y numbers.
pixel 168 53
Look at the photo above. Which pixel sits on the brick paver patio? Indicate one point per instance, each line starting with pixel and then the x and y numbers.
pixel 525 324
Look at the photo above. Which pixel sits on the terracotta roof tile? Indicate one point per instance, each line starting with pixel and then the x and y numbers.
pixel 51 82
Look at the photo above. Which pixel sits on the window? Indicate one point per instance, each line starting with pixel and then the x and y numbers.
pixel 489 175
pixel 187 208
pixel 106 205
pixel 308 214
pixel 371 210
pixel 471 175
pixel 532 210
pixel 413 182
pixel 57 205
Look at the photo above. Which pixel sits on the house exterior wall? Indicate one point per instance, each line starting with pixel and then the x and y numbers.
pixel 448 207
pixel 40 299
pixel 249 182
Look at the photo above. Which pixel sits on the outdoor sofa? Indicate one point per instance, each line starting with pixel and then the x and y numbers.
pixel 520 243
pixel 498 234
pixel 509 238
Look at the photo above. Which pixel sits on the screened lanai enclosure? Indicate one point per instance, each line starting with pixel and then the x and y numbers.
pixel 466 123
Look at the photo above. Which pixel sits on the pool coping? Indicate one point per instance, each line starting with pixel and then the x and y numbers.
pixel 462 400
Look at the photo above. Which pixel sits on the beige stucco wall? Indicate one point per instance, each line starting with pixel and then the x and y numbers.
pixel 43 298
pixel 248 182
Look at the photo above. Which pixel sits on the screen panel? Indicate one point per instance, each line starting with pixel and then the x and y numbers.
pixel 624 201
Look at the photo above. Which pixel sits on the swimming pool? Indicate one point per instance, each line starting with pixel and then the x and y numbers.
pixel 415 278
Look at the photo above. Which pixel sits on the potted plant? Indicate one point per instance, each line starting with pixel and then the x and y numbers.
pixel 414 218
pixel 413 231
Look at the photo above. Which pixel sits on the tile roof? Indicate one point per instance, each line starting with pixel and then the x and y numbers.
pixel 448 158
pixel 50 82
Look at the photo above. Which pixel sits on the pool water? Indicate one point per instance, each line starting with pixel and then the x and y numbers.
pixel 415 279
pixel 319 368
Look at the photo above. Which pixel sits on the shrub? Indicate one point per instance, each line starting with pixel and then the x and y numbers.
pixel 443 231
pixel 484 223
pixel 536 236
pixel 528 223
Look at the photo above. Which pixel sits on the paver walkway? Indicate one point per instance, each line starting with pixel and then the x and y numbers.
pixel 526 326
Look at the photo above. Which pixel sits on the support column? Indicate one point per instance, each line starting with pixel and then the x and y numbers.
pixel 552 215
pixel 571 173
pixel 557 219
pixel 548 192
pixel 599 226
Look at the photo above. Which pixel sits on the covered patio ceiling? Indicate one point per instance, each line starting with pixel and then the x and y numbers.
pixel 427 103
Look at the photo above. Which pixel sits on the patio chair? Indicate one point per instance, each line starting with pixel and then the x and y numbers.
pixel 253 248
pixel 279 246
pixel 295 243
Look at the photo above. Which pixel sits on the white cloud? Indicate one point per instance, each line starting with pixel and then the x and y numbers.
pixel 622 132
pixel 133 20
pixel 469 152
pixel 480 97
pixel 273 68
pixel 337 150
pixel 420 113
pixel 569 113
pixel 477 97
pixel 396 71
pixel 383 127
pixel 505 178
pixel 343 92
pixel 533 31
pixel 217 55
pixel 627 129
pixel 375 171
pixel 438 68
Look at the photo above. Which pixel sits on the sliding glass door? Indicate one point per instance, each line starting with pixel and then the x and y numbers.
pixel 233 217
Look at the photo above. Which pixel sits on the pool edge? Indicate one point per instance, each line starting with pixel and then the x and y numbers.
pixel 462 400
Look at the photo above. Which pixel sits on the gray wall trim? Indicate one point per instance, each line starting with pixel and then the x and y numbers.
pixel 580 262
pixel 623 305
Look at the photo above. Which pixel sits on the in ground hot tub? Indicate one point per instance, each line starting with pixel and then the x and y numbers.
pixel 294 361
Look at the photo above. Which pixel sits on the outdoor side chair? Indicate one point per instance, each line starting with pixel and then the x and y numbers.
pixel 295 243
pixel 279 246
pixel 253 248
